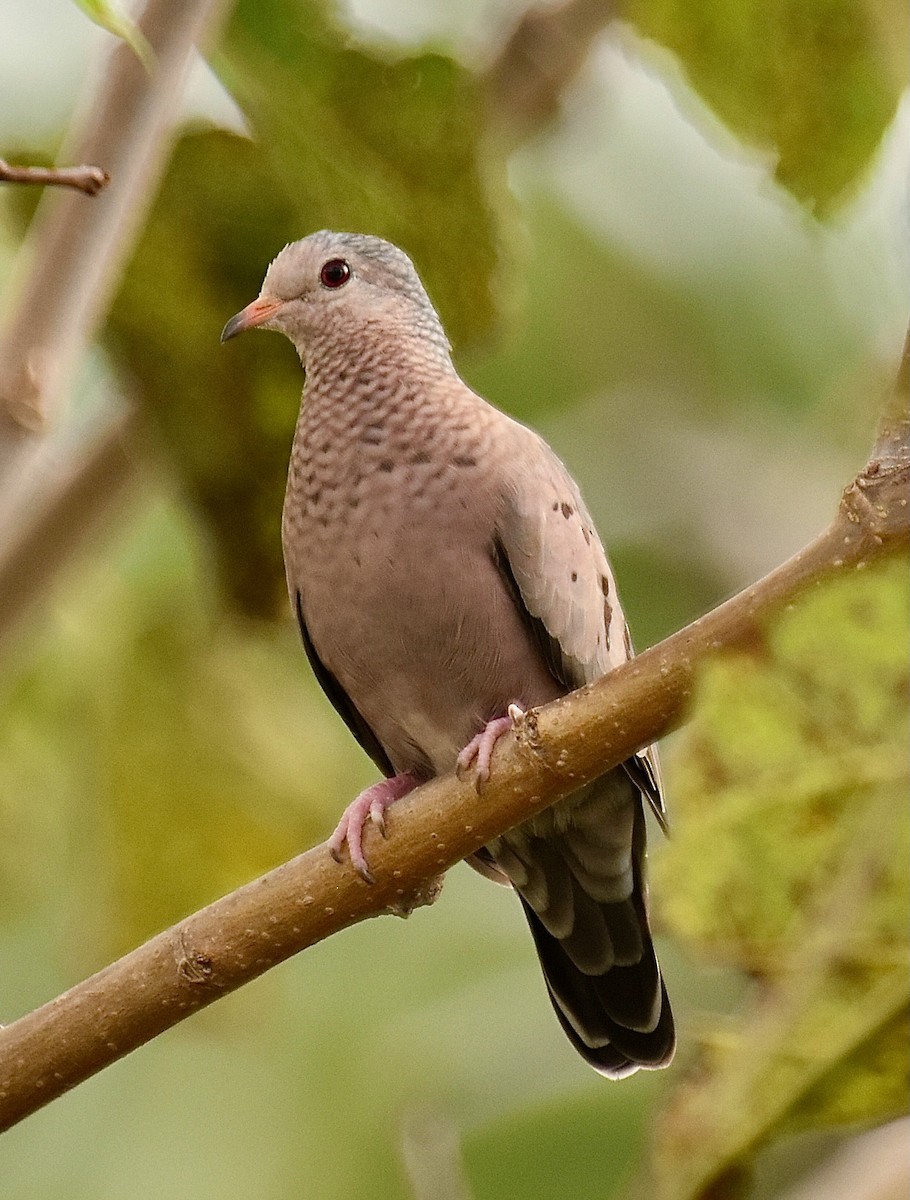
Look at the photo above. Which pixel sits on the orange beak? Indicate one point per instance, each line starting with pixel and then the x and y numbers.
pixel 254 314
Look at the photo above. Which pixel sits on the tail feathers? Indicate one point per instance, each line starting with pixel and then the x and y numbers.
pixel 618 1021
pixel 586 908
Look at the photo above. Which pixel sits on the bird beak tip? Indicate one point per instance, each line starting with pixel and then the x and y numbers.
pixel 233 327
pixel 254 314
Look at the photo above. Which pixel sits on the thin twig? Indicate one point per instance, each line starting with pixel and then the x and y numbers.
pixel 552 752
pixel 74 252
pixel 894 426
pixel 84 179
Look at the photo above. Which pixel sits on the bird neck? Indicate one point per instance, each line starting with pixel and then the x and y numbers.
pixel 374 365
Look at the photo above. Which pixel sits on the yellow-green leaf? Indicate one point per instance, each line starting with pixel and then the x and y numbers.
pixel 814 83
pixel 791 861
pixel 109 17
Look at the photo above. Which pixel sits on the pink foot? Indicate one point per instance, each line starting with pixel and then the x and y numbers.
pixel 372 802
pixel 481 746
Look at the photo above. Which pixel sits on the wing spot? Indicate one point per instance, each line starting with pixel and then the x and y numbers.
pixel 556 506
pixel 386 465
pixel 420 458
pixel 464 460
pixel 575 577
pixel 587 533
pixel 567 510
pixel 608 608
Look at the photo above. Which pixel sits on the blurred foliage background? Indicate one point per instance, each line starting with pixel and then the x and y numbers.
pixel 688 270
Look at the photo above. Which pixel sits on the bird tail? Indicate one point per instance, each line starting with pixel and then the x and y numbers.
pixel 583 891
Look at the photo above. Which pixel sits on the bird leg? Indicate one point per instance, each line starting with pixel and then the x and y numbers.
pixel 372 802
pixel 480 748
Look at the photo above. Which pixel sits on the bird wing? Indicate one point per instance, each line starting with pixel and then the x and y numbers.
pixel 554 563
pixel 341 702
pixel 581 880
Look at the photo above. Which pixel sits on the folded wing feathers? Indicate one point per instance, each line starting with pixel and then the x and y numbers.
pixel 579 872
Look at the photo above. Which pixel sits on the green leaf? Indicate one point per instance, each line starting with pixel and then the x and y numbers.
pixel 109 17
pixel 790 860
pixel 814 83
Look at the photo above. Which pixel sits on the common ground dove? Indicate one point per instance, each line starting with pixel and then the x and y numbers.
pixel 443 568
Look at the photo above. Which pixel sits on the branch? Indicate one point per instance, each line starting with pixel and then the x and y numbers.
pixel 552 752
pixel 84 179
pixel 75 497
pixel 74 252
pixel 894 426
pixel 69 264
pixel 541 57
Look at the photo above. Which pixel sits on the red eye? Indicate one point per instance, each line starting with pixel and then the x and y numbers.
pixel 335 273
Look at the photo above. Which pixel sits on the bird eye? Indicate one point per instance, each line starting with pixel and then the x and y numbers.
pixel 335 273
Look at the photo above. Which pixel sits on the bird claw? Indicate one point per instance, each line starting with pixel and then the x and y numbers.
pixel 378 818
pixel 479 749
pixel 371 803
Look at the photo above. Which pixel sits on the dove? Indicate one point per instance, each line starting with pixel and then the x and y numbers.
pixel 446 576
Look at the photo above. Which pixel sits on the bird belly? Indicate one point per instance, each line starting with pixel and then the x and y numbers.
pixel 427 653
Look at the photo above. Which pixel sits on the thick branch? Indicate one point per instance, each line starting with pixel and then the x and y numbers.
pixel 84 179
pixel 553 751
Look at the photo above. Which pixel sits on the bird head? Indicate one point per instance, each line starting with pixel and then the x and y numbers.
pixel 331 279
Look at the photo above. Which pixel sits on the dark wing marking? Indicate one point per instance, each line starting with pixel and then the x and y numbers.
pixel 341 701
pixel 549 646
pixel 554 565
pixel 559 567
